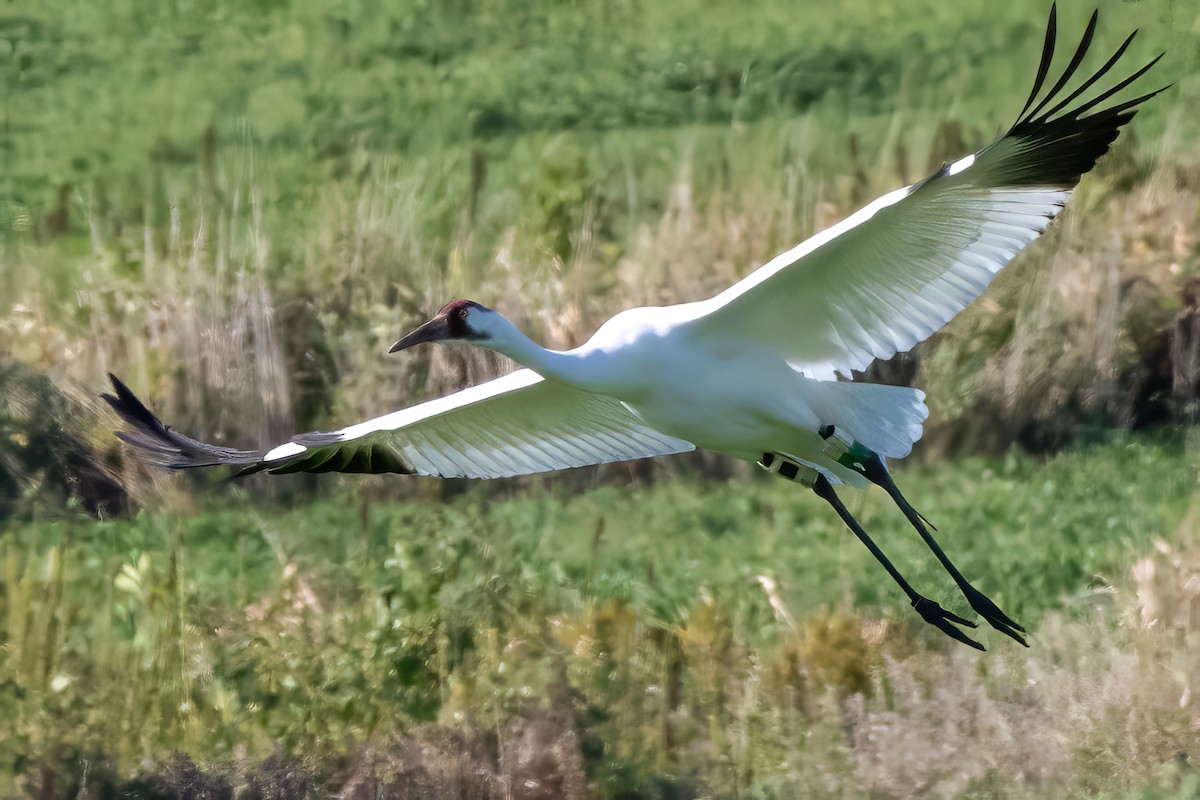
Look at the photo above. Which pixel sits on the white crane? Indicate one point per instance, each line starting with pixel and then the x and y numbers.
pixel 753 372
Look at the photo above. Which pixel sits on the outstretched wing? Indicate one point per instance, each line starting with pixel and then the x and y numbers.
pixel 890 275
pixel 514 425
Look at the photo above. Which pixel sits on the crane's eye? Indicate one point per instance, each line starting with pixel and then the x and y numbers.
pixel 462 313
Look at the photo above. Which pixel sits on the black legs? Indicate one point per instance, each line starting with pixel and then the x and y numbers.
pixel 929 610
pixel 875 471
pixel 854 455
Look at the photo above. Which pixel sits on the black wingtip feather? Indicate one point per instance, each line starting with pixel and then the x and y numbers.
pixel 162 447
pixel 1137 101
pixel 1097 75
pixel 1095 101
pixel 1076 59
pixel 1056 151
pixel 1047 57
pixel 159 446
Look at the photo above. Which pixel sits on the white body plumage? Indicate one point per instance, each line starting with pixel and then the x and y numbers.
pixel 753 372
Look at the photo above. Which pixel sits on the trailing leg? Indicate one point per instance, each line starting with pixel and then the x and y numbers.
pixel 871 466
pixel 929 610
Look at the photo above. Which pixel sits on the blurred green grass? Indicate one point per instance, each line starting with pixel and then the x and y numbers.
pixel 234 631
pixel 300 182
pixel 130 109
pixel 238 206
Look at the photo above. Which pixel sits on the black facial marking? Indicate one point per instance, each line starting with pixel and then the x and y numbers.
pixel 456 314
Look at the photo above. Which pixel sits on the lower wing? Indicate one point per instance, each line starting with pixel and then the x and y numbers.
pixel 515 425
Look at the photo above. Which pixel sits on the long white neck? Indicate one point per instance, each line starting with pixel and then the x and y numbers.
pixel 571 367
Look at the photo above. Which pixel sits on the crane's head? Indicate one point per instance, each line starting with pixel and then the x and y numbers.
pixel 458 321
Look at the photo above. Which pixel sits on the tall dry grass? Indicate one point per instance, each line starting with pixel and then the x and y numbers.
pixel 243 329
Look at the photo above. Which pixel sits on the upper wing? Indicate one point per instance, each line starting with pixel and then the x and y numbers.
pixel 514 425
pixel 891 274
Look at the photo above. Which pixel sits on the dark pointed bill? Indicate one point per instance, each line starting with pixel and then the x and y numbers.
pixel 436 330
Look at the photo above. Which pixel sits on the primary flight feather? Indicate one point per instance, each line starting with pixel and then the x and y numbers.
pixel 753 372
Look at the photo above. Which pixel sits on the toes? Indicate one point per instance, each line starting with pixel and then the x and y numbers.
pixel 950 615
pixel 1010 622
pixel 940 618
pixel 1007 620
pixel 984 606
pixel 1007 631
pixel 954 633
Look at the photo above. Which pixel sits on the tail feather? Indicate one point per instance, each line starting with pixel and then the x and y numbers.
pixel 887 419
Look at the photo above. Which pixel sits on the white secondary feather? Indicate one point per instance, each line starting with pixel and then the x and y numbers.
pixel 888 276
pixel 514 425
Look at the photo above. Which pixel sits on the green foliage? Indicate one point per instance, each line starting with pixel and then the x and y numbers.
pixel 635 612
pixel 236 201
pixel 228 195
pixel 123 103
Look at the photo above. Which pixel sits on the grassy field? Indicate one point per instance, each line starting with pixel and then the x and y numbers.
pixel 729 639
pixel 238 206
pixel 628 631
pixel 301 184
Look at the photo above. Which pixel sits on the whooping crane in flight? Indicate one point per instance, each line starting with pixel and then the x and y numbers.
pixel 753 372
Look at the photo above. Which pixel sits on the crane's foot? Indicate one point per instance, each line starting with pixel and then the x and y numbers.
pixel 940 618
pixel 984 607
pixel 856 456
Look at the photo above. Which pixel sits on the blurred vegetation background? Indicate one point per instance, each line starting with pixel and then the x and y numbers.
pixel 237 207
